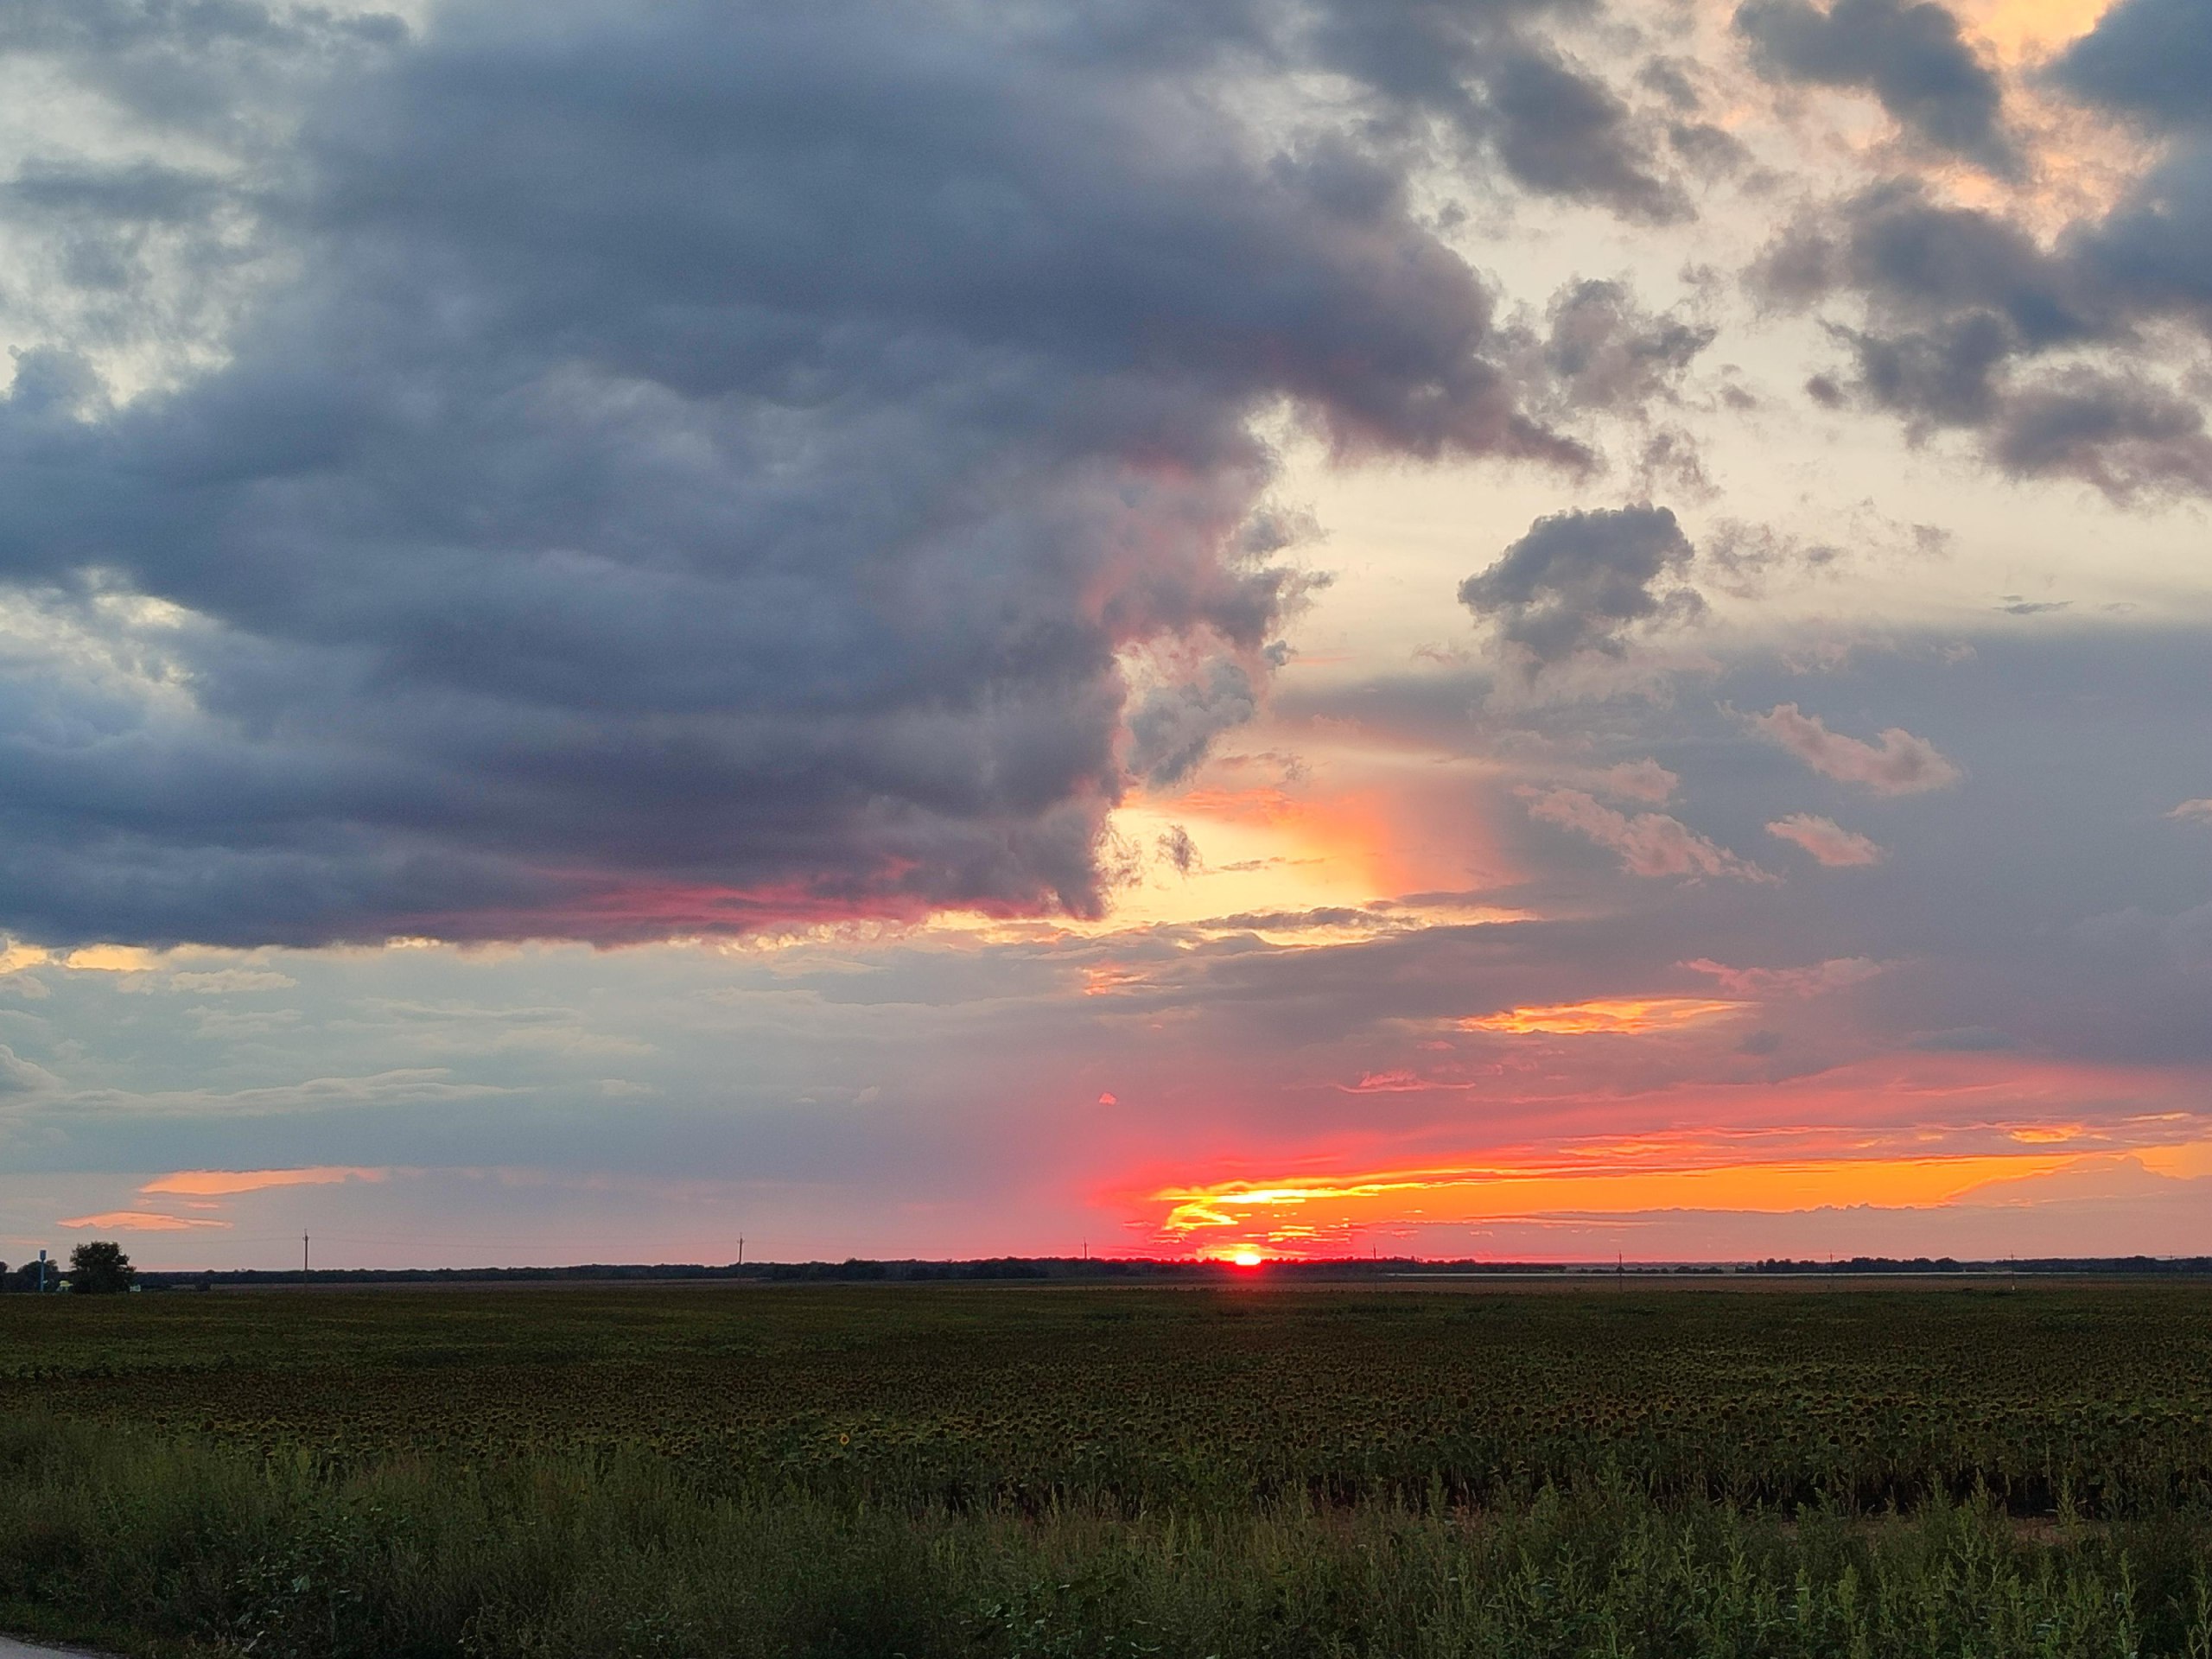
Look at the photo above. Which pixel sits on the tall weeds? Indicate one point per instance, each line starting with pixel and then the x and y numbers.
pixel 174 1546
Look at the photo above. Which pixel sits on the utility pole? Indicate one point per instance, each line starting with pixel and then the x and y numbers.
pixel 740 1249
pixel 303 1255
pixel 41 1272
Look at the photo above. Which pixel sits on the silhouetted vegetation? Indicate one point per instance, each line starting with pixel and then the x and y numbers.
pixel 99 1267
pixel 29 1276
pixel 1164 1270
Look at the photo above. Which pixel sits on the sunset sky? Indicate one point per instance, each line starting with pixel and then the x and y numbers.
pixel 1504 628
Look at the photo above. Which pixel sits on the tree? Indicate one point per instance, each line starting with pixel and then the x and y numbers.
pixel 99 1266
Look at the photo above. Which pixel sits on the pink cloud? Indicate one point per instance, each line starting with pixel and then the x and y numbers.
pixel 221 1183
pixel 139 1221
pixel 1900 764
pixel 1649 843
pixel 2193 812
pixel 1826 841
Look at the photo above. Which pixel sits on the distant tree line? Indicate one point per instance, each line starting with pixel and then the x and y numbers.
pixel 2115 1264
pixel 1118 1270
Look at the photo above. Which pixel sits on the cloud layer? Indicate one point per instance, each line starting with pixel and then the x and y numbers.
pixel 707 467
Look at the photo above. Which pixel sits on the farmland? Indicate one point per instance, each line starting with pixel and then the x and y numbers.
pixel 1001 1470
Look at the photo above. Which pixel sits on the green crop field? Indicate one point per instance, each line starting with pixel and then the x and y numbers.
pixel 1002 1471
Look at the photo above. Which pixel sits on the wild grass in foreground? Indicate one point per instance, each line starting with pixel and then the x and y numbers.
pixel 1014 1474
pixel 183 1548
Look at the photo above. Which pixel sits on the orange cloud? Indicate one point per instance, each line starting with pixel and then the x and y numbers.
pixel 139 1221
pixel 110 959
pixel 1110 979
pixel 14 958
pixel 1252 1208
pixel 222 1183
pixel 1626 1016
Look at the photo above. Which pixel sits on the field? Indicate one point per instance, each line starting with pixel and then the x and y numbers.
pixel 1067 1470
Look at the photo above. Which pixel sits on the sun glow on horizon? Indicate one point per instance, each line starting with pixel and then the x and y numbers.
pixel 1308 1215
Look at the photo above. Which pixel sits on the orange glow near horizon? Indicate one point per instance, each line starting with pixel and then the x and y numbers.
pixel 1487 1194
pixel 1293 1215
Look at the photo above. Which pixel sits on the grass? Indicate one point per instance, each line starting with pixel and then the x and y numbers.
pixel 1013 1471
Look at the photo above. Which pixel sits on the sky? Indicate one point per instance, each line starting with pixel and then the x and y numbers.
pixel 1510 629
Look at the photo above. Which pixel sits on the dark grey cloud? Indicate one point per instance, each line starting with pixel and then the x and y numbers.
pixel 2056 352
pixel 1603 351
pixel 2150 58
pixel 1567 134
pixel 1911 56
pixel 1599 359
pixel 2117 431
pixel 1709 151
pixel 2154 251
pixel 1672 79
pixel 703 469
pixel 1744 559
pixel 2040 349
pixel 1172 726
pixel 1924 260
pixel 1579 582
pixel 1504 91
